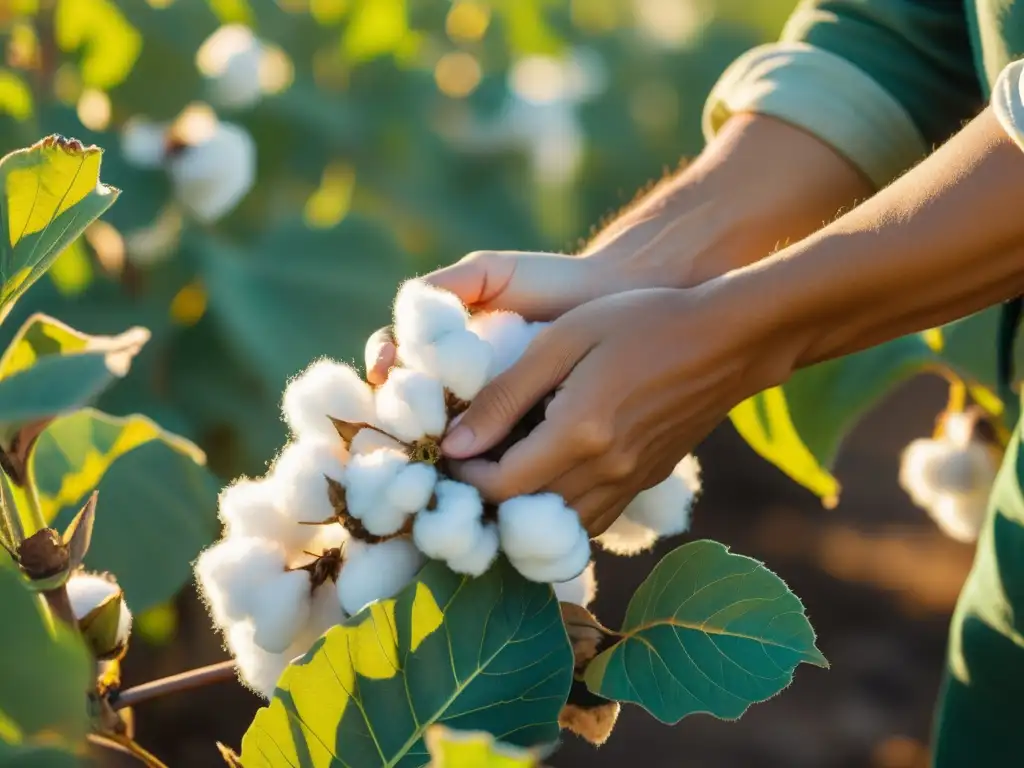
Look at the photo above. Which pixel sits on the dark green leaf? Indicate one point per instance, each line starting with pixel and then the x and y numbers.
pixel 707 632
pixel 486 654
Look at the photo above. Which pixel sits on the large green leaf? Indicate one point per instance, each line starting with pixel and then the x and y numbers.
pixel 707 632
pixel 800 425
pixel 51 193
pixel 50 368
pixel 156 501
pixel 486 654
pixel 474 749
pixel 44 678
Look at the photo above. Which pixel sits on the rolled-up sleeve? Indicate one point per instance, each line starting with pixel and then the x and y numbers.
pixel 881 81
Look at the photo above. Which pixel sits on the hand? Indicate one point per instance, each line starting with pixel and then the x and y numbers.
pixel 641 378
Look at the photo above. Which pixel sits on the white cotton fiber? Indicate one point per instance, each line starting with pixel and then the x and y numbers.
pixel 412 487
pixel 325 612
pixel 507 334
pixel 143 142
pixel 282 610
pixel 376 571
pixel 249 508
pixel 960 517
pixel 580 590
pixel 627 537
pixel 665 508
pixel 258 670
pixel 423 314
pixel 478 558
pixel 211 177
pixel 370 440
pixel 454 526
pixel 459 360
pixel 538 526
pixel 410 406
pixel 556 569
pixel 367 480
pixel 300 476
pixel 919 465
pixel 325 390
pixel 87 591
pixel 232 572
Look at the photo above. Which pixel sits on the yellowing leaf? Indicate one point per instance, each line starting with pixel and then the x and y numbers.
pixel 110 44
pixel 377 27
pixel 15 96
pixel 474 749
pixel 72 272
pixel 426 616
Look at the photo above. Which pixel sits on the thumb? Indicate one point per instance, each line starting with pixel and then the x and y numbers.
pixel 500 405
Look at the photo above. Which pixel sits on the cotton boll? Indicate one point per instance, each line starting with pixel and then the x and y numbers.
pixel 453 527
pixel 627 537
pixel 459 360
pixel 423 314
pixel 300 475
pixel 230 58
pixel 325 612
pixel 412 487
pixel 580 590
pixel 960 517
pixel 376 572
pixel 918 464
pixel 250 508
pixel 508 335
pixel 538 526
pixel 370 440
pixel 143 142
pixel 328 537
pixel 212 176
pixel 478 558
pixel 87 591
pixel 556 569
pixel 665 508
pixel 282 610
pixel 325 390
pixel 410 406
pixel 367 481
pixel 232 572
pixel 258 670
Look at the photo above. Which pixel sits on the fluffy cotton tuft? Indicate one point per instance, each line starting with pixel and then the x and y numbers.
pixel 249 508
pixel 580 590
pixel 410 406
pixel 258 670
pixel 556 569
pixel 210 178
pixel 423 314
pixel 412 488
pixel 282 611
pixel 665 508
pixel 538 526
pixel 459 360
pixel 367 481
pixel 453 528
pixel 376 571
pixel 231 59
pixel 232 572
pixel 87 591
pixel 627 537
pixel 300 475
pixel 508 335
pixel 478 558
pixel 325 390
pixel 143 142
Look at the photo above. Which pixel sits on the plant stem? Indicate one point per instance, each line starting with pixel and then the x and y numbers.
pixel 35 512
pixel 184 681
pixel 9 512
pixel 127 747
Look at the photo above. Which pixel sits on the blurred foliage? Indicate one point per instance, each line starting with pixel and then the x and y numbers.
pixel 390 135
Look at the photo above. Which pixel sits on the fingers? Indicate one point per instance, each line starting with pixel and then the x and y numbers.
pixel 599 508
pixel 379 355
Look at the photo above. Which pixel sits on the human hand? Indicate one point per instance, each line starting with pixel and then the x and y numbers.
pixel 641 378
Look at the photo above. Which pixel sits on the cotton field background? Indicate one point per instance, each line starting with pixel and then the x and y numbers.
pixel 285 165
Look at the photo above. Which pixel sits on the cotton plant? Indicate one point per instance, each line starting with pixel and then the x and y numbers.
pixel 361 497
pixel 951 474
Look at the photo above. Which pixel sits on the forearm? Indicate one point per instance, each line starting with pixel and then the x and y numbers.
pixel 942 242
pixel 759 184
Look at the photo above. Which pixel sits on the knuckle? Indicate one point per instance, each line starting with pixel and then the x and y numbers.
pixel 594 436
pixel 480 258
pixel 499 402
pixel 620 465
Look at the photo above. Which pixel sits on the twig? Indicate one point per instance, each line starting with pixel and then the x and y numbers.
pixel 127 747
pixel 184 681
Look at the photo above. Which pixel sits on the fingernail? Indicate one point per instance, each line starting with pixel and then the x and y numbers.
pixel 459 441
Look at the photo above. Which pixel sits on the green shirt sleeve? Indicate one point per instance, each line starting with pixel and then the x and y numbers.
pixel 882 81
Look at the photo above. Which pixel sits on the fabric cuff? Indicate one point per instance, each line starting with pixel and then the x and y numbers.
pixel 826 96
pixel 1008 101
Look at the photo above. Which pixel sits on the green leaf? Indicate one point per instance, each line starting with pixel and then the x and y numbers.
pixel 707 632
pixel 474 749
pixel 15 96
pixel 44 678
pixel 486 654
pixel 50 368
pixel 110 45
pixel 51 193
pixel 799 427
pixel 156 499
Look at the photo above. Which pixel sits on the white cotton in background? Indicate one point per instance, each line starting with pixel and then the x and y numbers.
pixel 665 508
pixel 249 508
pixel 367 481
pixel 477 559
pixel 960 517
pixel 325 390
pixel 507 334
pixel 212 176
pixel 627 537
pixel 231 59
pixel 453 528
pixel 580 591
pixel 370 440
pixel 411 488
pixel 538 526
pixel 282 610
pixel 556 569
pixel 410 406
pixel 918 470
pixel 231 573
pixel 300 476
pixel 376 571
pixel 460 360
pixel 143 142
pixel 87 591
pixel 423 314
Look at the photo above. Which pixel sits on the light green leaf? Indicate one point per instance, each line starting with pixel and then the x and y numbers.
pixel 474 749
pixel 156 499
pixel 707 632
pixel 44 677
pixel 50 368
pixel 15 96
pixel 51 193
pixel 486 654
pixel 110 45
